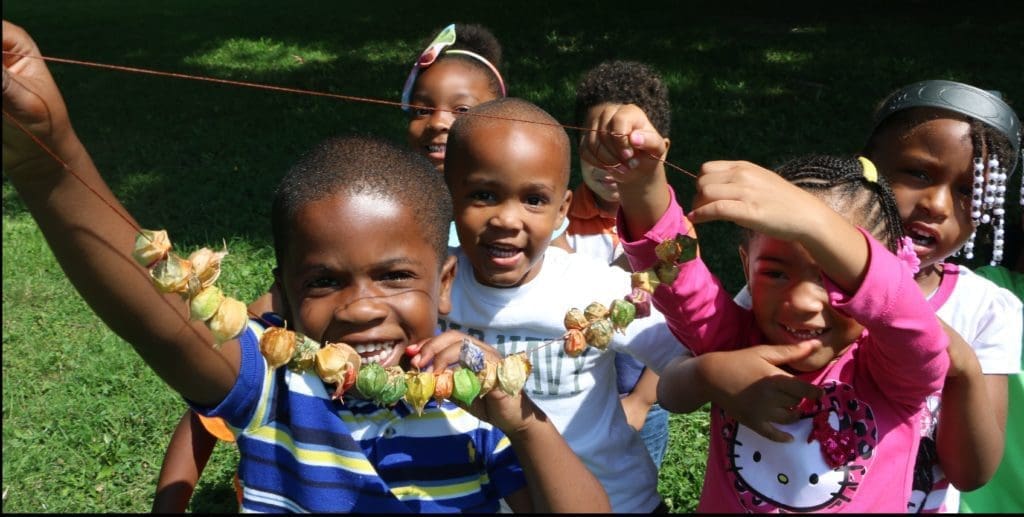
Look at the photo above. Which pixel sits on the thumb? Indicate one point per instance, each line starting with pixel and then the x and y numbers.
pixel 779 355
pixel 648 143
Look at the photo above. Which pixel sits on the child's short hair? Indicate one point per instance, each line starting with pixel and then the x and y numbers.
pixel 842 183
pixel 625 82
pixel 364 165
pixel 507 110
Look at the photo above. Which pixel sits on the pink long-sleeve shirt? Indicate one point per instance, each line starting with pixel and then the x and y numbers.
pixel 868 422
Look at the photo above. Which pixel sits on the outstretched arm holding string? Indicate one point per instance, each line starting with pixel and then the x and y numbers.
pixel 92 235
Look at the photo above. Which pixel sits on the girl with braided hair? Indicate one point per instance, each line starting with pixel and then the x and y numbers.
pixel 949 151
pixel 825 279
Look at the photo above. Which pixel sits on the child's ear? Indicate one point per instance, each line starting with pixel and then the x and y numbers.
pixel 744 258
pixel 444 298
pixel 668 144
pixel 563 209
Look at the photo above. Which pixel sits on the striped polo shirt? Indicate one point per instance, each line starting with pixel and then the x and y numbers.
pixel 301 451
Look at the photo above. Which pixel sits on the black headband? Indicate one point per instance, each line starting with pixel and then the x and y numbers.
pixel 985 106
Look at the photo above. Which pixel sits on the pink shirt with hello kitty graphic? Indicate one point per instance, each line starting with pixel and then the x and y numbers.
pixel 854 449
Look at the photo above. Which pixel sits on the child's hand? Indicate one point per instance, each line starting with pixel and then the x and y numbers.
pixel 963 362
pixel 32 99
pixel 756 198
pixel 749 385
pixel 624 140
pixel 510 414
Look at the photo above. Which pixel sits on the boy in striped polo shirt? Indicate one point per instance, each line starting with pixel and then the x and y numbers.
pixel 360 230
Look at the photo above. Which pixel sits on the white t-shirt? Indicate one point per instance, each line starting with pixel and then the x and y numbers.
pixel 989 318
pixel 578 394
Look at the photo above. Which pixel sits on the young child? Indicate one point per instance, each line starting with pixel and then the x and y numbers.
pixel 949 149
pixel 459 69
pixel 591 216
pixel 302 450
pixel 509 182
pixel 1002 493
pixel 816 277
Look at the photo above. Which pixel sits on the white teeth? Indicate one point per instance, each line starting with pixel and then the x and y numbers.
pixel 436 148
pixel 502 252
pixel 804 333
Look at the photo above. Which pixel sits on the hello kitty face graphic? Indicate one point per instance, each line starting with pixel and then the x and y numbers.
pixel 821 468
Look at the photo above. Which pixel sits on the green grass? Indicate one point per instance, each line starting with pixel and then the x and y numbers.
pixel 85 423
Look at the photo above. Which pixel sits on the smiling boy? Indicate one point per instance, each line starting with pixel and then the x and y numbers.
pixel 509 182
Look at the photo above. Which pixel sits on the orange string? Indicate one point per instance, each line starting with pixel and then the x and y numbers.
pixel 301 91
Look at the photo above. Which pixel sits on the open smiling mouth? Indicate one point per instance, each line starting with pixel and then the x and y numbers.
pixel 501 251
pixel 374 352
pixel 804 333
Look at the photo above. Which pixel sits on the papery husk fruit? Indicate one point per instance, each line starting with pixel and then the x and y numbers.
pixel 394 388
pixel 575 319
pixel 667 273
pixel 575 344
pixel 206 265
pixel 466 386
pixel 488 377
pixel 304 356
pixel 370 380
pixel 205 303
pixel 513 372
pixel 419 389
pixel 595 311
pixel 338 364
pixel 646 280
pixel 277 346
pixel 668 251
pixel 471 356
pixel 599 334
pixel 151 246
pixel 229 320
pixel 687 247
pixel 443 384
pixel 641 300
pixel 171 275
pixel 621 314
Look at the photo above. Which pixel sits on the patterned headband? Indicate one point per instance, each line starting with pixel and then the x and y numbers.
pixel 443 40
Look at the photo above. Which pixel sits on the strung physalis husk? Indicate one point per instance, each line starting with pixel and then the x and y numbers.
pixel 646 280
pixel 668 251
pixel 575 319
pixel 371 381
pixel 443 384
pixel 488 377
pixel 471 356
pixel 151 246
pixel 277 346
pixel 394 388
pixel 229 320
pixel 575 344
pixel 595 311
pixel 641 300
pixel 419 389
pixel 338 364
pixel 204 304
pixel 304 356
pixel 689 248
pixel 667 273
pixel 171 275
pixel 206 265
pixel 513 372
pixel 466 386
pixel 621 314
pixel 599 334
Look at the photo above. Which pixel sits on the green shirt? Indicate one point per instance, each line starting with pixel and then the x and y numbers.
pixel 1005 492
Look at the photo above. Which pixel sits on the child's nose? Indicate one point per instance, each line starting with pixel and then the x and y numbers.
pixel 507 216
pixel 440 120
pixel 808 297
pixel 937 201
pixel 365 307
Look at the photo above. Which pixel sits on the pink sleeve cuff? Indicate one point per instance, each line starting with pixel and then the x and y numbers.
pixel 641 251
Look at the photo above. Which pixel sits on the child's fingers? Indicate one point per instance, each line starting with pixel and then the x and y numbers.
pixel 431 348
pixel 772 433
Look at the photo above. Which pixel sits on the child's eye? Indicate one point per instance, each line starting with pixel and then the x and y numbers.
pixel 536 200
pixel 321 285
pixel 461 109
pixel 483 196
pixel 772 275
pixel 915 174
pixel 397 276
pixel 421 112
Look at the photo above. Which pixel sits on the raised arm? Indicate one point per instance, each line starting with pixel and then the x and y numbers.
pixel 91 234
